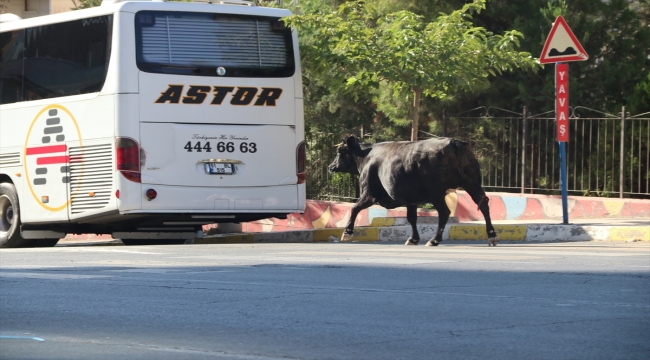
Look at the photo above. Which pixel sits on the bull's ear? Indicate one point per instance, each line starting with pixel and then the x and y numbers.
pixel 352 142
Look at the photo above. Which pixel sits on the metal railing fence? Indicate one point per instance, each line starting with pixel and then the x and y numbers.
pixel 321 184
pixel 608 155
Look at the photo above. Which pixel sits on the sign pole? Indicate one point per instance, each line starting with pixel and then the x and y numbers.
pixel 562 127
pixel 562 45
pixel 563 183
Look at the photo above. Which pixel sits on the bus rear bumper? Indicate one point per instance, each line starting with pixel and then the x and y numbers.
pixel 176 199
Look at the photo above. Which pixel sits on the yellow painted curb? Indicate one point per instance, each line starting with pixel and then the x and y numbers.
pixel 360 234
pixel 629 233
pixel 323 235
pixel 366 234
pixel 382 221
pixel 477 232
pixel 230 239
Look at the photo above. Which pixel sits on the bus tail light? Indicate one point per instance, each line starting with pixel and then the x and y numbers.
pixel 151 194
pixel 127 155
pixel 301 162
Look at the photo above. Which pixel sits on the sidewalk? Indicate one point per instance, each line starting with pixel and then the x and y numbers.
pixel 397 230
pixel 580 222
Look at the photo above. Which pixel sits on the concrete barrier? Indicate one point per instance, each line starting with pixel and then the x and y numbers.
pixel 399 233
pixel 453 232
pixel 503 206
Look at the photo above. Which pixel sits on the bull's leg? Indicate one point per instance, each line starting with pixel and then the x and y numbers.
pixel 364 202
pixel 443 215
pixel 478 196
pixel 412 217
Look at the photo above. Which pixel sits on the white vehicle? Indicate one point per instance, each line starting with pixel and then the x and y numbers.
pixel 148 119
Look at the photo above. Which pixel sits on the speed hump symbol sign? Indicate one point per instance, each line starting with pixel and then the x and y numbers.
pixel 562 45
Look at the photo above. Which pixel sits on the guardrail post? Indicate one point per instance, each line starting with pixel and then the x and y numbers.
pixel 523 153
pixel 621 178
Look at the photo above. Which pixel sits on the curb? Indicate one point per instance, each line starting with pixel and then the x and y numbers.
pixel 108 242
pixel 453 232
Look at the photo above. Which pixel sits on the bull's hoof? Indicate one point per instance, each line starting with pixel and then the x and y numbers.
pixel 412 241
pixel 432 243
pixel 493 241
pixel 346 237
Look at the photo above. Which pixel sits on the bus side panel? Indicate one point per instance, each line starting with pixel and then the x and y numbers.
pixel 298 93
pixel 48 131
pixel 91 185
pixel 122 71
pixel 127 124
pixel 42 192
pixel 300 136
pixel 11 162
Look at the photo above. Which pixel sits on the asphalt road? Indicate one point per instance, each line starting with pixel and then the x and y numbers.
pixel 327 301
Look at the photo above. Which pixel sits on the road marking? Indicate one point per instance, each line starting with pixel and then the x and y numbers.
pixel 154 347
pixel 21 337
pixel 166 271
pixel 50 276
pixel 639 266
pixel 95 249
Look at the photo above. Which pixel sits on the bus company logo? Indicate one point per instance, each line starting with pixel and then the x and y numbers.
pixel 47 163
pixel 197 94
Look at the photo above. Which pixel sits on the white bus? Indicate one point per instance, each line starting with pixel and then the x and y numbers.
pixel 148 119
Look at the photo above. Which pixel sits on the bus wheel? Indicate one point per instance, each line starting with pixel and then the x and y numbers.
pixel 10 218
pixel 130 242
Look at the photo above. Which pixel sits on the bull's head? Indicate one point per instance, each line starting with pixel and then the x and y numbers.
pixel 345 160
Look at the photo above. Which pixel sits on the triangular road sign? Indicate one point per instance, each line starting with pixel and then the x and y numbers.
pixel 561 45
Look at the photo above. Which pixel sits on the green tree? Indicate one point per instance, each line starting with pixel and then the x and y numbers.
pixel 84 4
pixel 615 34
pixel 4 5
pixel 332 106
pixel 639 101
pixel 445 56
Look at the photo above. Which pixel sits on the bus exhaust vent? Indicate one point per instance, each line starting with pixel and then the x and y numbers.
pixel 10 159
pixel 91 177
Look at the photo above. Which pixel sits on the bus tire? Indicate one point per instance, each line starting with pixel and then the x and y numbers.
pixel 132 242
pixel 10 218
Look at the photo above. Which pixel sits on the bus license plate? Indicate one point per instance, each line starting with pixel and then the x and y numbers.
pixel 220 169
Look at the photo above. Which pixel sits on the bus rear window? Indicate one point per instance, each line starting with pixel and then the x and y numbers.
pixel 206 44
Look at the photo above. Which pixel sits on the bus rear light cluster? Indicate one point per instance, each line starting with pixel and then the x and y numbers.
pixel 127 158
pixel 301 162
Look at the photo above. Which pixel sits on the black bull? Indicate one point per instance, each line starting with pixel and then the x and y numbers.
pixel 406 173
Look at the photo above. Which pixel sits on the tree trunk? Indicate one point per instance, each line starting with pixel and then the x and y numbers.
pixel 417 93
